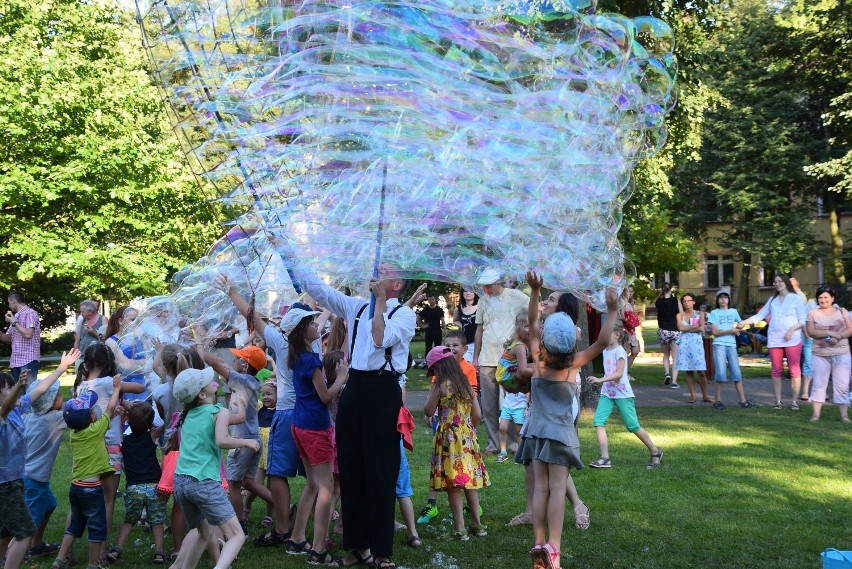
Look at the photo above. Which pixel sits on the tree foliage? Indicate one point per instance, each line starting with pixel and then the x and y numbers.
pixel 94 192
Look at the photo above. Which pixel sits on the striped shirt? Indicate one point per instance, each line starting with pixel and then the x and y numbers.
pixel 25 350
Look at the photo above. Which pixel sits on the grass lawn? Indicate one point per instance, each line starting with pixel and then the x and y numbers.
pixel 742 489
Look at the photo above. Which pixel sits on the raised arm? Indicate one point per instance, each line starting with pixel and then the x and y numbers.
pixel 12 397
pixel 227 285
pixel 214 361
pixel 115 397
pixel 535 283
pixel 65 362
pixel 593 351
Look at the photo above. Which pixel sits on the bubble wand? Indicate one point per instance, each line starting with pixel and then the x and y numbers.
pixel 377 261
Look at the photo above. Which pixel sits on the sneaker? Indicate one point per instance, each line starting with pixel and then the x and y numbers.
pixel 719 405
pixel 675 386
pixel 478 531
pixel 667 380
pixel 427 514
pixel 461 535
pixel 502 457
pixel 466 512
pixel 43 549
pixel 747 404
pixel 59 564
pixel 779 405
pixel 794 406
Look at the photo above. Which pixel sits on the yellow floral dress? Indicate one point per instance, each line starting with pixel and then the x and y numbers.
pixel 456 461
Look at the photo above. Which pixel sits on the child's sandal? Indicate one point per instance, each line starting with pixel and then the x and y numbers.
pixel 114 554
pixel 159 558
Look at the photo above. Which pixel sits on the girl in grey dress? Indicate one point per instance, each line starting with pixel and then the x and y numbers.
pixel 549 440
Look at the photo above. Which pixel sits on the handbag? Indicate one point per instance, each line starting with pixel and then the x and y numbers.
pixel 835 559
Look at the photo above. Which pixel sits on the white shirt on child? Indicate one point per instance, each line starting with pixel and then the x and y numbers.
pixel 615 389
pixel 515 401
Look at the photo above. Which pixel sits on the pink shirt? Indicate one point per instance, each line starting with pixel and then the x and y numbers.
pixel 25 350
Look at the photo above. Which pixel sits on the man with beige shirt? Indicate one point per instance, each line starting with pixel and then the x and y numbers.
pixel 495 323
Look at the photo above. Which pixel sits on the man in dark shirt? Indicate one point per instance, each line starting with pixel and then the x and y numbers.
pixel 431 319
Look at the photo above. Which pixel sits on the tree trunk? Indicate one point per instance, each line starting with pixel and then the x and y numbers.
pixel 743 300
pixel 838 275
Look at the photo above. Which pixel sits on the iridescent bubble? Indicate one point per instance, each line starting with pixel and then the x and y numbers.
pixel 474 134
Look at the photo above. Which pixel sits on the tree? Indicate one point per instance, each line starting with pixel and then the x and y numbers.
pixel 823 62
pixel 756 148
pixel 94 192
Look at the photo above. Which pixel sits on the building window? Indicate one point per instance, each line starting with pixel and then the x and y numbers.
pixel 719 270
pixel 765 275
pixel 667 277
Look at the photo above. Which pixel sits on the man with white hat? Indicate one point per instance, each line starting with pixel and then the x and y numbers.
pixel 495 324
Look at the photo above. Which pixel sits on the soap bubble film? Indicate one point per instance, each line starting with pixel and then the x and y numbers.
pixel 494 134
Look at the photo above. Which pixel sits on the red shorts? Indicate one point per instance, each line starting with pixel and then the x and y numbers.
pixel 317 447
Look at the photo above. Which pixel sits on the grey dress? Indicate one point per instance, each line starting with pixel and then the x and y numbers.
pixel 548 434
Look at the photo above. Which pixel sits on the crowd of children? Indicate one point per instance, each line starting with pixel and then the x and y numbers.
pixel 183 421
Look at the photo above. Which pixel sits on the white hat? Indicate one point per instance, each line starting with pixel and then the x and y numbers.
pixel 189 383
pixel 488 277
pixel 723 290
pixel 293 317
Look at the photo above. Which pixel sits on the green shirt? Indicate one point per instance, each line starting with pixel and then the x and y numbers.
pixel 88 451
pixel 199 456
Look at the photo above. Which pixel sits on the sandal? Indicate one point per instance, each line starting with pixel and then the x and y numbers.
pixel 113 555
pixel 708 400
pixel 43 549
pixel 691 400
pixel 602 462
pixel 324 558
pixel 383 563
pixel 297 547
pixel 358 559
pixel 659 456
pixel 159 558
pixel 582 519
pixel 415 541
pixel 522 519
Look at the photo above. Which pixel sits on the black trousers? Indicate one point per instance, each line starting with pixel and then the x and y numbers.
pixel 368 457
pixel 432 339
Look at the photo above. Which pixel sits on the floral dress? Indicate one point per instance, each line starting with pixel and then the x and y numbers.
pixel 456 461
pixel 690 353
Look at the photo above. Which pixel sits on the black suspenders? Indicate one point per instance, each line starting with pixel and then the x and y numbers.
pixel 388 351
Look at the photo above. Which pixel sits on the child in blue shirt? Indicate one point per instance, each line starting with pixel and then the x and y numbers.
pixel 15 518
pixel 723 320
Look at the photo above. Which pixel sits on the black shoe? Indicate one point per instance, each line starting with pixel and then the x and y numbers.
pixel 668 380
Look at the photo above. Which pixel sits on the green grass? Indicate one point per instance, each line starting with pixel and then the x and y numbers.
pixel 744 488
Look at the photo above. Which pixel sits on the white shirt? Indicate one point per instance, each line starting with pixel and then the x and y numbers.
pixel 366 355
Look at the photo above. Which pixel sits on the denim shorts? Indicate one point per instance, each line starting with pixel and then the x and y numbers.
pixel 87 511
pixel 202 500
pixel 139 496
pixel 242 463
pixel 15 519
pixel 40 499
pixel 282 457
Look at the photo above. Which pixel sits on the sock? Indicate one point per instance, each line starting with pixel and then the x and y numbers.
pixel 432 501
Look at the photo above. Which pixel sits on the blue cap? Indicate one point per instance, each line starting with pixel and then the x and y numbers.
pixel 78 411
pixel 559 335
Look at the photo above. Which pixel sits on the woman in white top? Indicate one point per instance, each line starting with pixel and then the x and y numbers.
pixel 784 335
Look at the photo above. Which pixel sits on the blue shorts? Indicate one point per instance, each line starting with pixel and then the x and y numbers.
pixel 514 415
pixel 403 481
pixel 88 510
pixel 40 499
pixel 282 459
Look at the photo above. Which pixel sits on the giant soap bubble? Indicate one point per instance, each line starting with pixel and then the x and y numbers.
pixel 461 135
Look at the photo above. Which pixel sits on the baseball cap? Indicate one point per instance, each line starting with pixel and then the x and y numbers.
pixel 294 316
pixel 559 335
pixel 725 290
pixel 255 357
pixel 437 354
pixel 189 383
pixel 488 277
pixel 78 411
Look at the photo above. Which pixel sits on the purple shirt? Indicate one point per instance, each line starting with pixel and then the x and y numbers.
pixel 25 350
